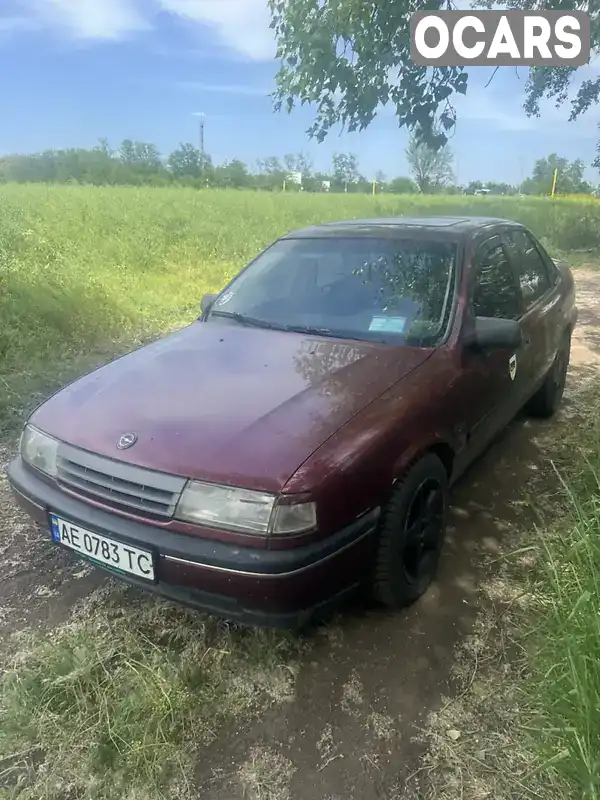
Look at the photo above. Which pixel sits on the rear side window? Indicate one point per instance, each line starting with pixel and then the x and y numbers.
pixel 495 292
pixel 531 267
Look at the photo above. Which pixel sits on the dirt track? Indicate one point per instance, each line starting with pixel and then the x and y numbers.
pixel 371 678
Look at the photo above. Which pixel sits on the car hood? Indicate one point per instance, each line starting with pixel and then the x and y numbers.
pixel 224 403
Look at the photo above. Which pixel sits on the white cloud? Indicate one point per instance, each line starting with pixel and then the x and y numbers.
pixel 504 114
pixel 482 105
pixel 242 25
pixel 250 91
pixel 88 19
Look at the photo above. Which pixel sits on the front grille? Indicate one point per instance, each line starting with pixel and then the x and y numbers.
pixel 114 483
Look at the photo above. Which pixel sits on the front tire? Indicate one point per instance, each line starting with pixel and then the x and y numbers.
pixel 411 534
pixel 546 400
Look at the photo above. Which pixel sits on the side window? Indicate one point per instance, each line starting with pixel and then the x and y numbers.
pixel 495 293
pixel 530 266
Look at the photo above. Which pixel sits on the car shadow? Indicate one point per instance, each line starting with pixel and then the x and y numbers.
pixel 370 667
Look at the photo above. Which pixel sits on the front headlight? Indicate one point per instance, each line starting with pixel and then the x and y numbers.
pixel 242 510
pixel 39 450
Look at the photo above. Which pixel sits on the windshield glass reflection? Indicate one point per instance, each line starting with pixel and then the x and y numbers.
pixel 398 290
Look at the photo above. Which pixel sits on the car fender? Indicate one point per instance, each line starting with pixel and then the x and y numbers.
pixel 445 447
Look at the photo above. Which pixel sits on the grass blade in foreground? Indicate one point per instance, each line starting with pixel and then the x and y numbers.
pixel 563 693
pixel 121 703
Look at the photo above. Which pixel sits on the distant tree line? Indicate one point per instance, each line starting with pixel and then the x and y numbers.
pixel 138 163
pixel 141 164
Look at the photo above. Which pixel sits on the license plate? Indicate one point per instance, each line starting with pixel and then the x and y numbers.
pixel 102 549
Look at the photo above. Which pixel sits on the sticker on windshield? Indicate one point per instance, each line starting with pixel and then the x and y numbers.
pixel 226 298
pixel 388 324
pixel 512 367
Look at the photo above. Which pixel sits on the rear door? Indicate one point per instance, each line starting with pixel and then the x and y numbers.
pixel 493 376
pixel 541 318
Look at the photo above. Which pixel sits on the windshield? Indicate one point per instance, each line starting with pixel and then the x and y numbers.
pixel 396 290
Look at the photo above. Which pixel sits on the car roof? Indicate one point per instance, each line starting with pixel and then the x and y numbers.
pixel 454 227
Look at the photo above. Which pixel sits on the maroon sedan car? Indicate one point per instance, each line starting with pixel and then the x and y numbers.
pixel 298 440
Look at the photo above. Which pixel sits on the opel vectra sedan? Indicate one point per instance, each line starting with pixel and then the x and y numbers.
pixel 297 442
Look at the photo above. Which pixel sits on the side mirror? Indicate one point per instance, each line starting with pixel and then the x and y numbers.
pixel 491 333
pixel 206 303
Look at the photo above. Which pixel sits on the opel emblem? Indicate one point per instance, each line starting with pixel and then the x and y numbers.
pixel 126 441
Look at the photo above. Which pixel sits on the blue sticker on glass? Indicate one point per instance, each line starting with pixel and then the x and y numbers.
pixel 388 324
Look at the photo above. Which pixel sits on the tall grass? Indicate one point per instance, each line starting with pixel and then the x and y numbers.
pixel 86 272
pixel 123 702
pixel 562 692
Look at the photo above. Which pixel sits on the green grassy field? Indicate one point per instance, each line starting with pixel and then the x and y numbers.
pixel 113 707
pixel 86 272
pixel 562 694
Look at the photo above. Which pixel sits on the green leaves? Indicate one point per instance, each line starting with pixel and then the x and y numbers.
pixel 351 57
pixel 461 83
pixel 571 178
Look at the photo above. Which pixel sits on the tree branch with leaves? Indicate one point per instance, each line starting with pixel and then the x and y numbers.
pixel 349 58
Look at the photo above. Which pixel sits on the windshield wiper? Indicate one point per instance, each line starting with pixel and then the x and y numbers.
pixel 310 329
pixel 321 332
pixel 252 322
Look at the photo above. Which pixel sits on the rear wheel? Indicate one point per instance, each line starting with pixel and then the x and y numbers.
pixel 546 400
pixel 411 534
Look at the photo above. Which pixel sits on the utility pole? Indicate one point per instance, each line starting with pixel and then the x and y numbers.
pixel 202 147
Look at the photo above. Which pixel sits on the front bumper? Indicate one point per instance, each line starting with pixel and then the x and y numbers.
pixel 275 588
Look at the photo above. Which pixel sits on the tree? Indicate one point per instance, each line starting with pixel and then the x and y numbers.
pixel 271 173
pixel 140 154
pixel 269 165
pixel 402 185
pixel 351 57
pixel 496 187
pixel 232 174
pixel 298 163
pixel 570 178
pixel 95 166
pixel 140 163
pixel 186 161
pixel 431 169
pixel 345 170
pixel 318 182
pixel 596 161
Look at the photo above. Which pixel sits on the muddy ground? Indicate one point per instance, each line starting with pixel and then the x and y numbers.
pixel 356 726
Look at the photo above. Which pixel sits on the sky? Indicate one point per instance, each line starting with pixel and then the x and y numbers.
pixel 77 70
